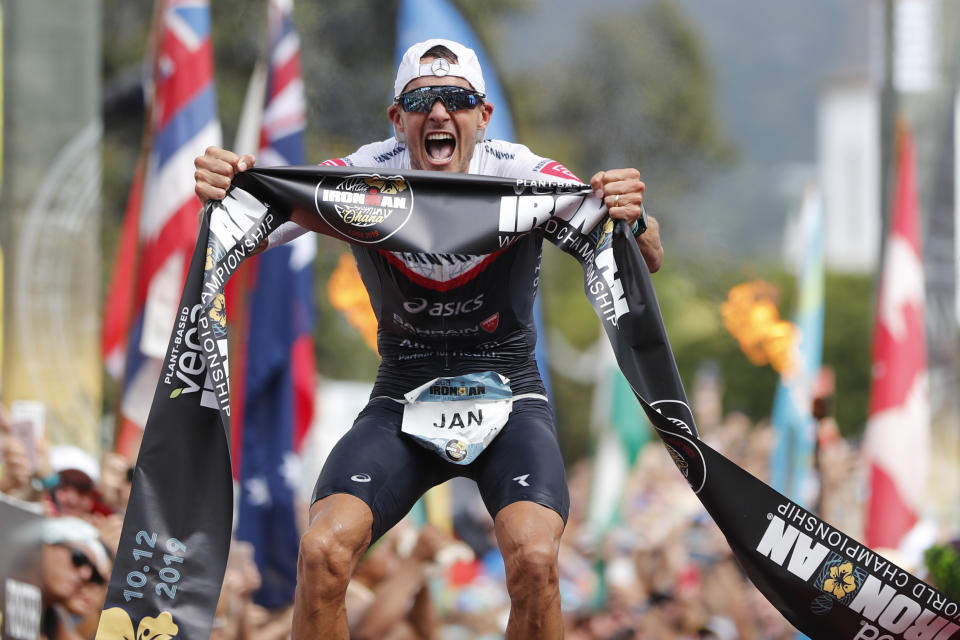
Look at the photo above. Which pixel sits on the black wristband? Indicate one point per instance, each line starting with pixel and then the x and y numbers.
pixel 640 224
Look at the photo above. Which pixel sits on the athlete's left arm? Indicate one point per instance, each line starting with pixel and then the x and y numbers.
pixel 517 161
pixel 622 192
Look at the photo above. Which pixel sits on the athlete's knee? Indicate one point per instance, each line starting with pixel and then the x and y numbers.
pixel 529 537
pixel 531 568
pixel 325 562
pixel 329 550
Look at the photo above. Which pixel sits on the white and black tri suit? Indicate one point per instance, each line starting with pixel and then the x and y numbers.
pixel 445 315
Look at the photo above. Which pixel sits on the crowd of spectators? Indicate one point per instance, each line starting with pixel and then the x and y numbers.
pixel 662 572
pixel 82 501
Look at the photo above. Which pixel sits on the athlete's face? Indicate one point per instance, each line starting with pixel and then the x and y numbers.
pixel 440 140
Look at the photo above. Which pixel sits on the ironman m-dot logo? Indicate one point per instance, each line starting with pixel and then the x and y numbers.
pixel 368 208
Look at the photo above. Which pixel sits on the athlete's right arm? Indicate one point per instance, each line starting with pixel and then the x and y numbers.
pixel 215 171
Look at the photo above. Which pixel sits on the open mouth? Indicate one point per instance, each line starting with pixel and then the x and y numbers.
pixel 439 147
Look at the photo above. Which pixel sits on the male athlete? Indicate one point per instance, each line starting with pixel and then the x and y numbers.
pixel 444 315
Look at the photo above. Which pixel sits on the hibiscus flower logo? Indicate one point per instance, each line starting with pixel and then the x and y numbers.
pixel 214 254
pixel 115 624
pixel 602 232
pixel 218 311
pixel 841 580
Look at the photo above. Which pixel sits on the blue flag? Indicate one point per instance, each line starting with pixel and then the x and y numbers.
pixel 278 386
pixel 791 464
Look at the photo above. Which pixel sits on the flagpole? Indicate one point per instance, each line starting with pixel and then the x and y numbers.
pixel 140 171
pixel 941 271
pixel 247 140
pixel 888 114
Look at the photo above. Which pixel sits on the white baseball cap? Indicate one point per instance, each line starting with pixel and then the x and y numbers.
pixel 64 457
pixel 66 529
pixel 466 67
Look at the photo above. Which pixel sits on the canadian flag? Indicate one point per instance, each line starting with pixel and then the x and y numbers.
pixel 898 427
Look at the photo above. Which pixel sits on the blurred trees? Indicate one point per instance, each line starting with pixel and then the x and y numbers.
pixel 690 292
pixel 642 95
pixel 639 95
pixel 691 302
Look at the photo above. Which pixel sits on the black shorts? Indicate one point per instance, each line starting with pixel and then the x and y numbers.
pixel 389 471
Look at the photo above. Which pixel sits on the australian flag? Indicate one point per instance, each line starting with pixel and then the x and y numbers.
pixel 278 381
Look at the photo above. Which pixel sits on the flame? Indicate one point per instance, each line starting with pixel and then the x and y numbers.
pixel 750 315
pixel 347 294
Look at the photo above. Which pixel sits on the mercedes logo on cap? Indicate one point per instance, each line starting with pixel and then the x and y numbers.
pixel 440 67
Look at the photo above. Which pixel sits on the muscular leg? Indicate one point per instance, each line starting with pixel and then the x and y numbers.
pixel 370 480
pixel 339 533
pixel 529 539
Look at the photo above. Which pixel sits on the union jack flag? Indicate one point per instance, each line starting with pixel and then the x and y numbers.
pixel 142 306
pixel 285 110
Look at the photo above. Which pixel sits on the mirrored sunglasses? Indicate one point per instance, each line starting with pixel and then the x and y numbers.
pixel 453 98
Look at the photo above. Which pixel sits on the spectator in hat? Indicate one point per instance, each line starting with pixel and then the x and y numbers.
pixel 77 474
pixel 72 561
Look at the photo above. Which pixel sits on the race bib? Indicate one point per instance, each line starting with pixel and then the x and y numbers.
pixel 458 417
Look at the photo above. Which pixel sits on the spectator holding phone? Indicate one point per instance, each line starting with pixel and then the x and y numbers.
pixel 24 451
pixel 14 466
